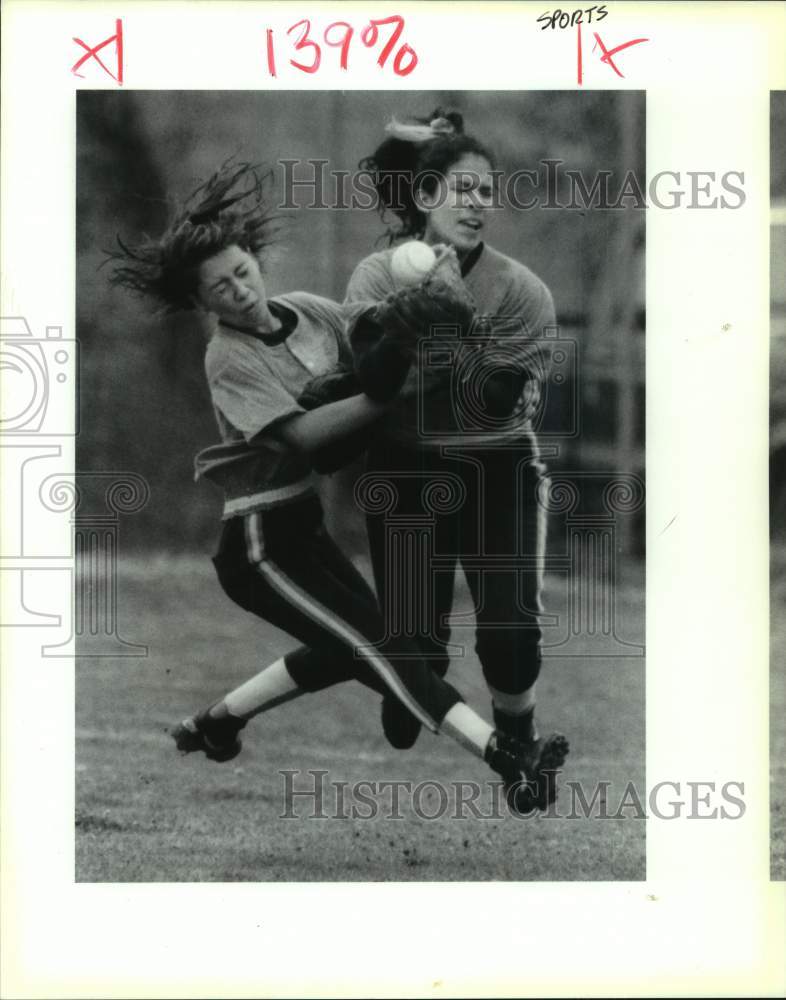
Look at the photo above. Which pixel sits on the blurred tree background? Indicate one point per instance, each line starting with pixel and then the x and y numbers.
pixel 144 405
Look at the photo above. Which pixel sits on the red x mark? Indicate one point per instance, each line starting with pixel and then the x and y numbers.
pixel 607 53
pixel 117 38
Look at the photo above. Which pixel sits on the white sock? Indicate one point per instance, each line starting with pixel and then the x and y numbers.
pixel 267 689
pixel 513 704
pixel 467 728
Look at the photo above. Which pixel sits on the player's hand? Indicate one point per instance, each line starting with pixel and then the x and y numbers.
pixel 447 268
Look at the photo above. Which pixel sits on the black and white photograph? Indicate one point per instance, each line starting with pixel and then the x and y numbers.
pixel 392 446
pixel 399 340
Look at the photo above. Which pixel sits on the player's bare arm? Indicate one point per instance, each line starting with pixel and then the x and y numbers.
pixel 312 431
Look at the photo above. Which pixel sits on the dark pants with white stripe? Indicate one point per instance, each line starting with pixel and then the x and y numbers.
pixel 478 507
pixel 282 566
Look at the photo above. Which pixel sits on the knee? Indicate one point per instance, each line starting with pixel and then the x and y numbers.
pixel 230 579
pixel 236 583
pixel 507 643
pixel 510 657
pixel 314 670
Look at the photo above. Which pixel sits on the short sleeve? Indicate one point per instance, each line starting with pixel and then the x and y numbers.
pixel 249 394
pixel 531 301
pixel 327 315
pixel 334 317
pixel 528 303
pixel 370 284
pixel 546 318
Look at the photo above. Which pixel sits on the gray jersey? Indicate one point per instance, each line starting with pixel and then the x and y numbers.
pixel 254 385
pixel 515 309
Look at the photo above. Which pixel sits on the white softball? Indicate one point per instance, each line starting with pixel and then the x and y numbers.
pixel 411 262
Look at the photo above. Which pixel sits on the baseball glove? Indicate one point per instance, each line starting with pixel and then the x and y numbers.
pixel 447 269
pixel 440 300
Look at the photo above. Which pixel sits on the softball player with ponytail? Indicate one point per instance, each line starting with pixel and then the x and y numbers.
pixel 438 184
pixel 275 558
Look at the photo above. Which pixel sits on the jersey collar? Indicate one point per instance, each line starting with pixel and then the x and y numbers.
pixel 471 260
pixel 288 319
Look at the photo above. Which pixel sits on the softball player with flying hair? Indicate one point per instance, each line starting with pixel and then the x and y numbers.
pixel 275 558
pixel 437 185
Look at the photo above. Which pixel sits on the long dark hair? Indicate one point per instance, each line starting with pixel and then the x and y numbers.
pixel 427 148
pixel 230 208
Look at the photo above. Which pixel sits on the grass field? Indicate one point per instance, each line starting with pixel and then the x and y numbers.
pixel 144 813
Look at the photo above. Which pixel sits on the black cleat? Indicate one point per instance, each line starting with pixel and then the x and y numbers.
pixel 399 725
pixel 217 739
pixel 529 770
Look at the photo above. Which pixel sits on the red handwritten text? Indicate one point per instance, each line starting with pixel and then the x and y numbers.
pixel 92 53
pixel 339 35
pixel 607 56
